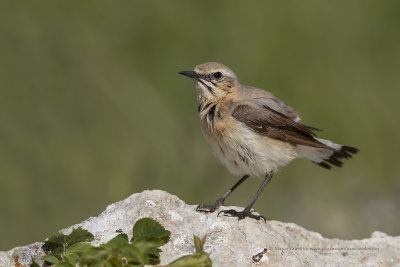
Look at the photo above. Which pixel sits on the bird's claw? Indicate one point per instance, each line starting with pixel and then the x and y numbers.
pixel 210 208
pixel 242 214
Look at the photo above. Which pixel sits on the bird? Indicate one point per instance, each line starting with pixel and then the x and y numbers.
pixel 253 133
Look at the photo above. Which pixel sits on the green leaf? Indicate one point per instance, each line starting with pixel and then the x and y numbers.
pixel 79 235
pixel 98 264
pixel 154 257
pixel 50 259
pixel 150 247
pixel 113 262
pixel 64 264
pixel 34 263
pixel 69 259
pixel 79 248
pixel 197 260
pixel 199 243
pixel 146 244
pixel 54 241
pixel 147 227
pixel 73 256
pixel 119 240
pixel 132 254
pixel 93 255
pixel 57 252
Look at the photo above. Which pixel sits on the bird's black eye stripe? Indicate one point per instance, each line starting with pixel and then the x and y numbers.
pixel 208 87
pixel 217 75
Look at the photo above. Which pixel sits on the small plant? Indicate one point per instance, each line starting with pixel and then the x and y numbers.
pixel 65 250
pixel 198 259
pixel 148 236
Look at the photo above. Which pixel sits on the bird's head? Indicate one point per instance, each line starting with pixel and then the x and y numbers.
pixel 213 81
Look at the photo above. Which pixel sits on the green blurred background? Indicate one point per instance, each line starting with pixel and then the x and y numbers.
pixel 92 108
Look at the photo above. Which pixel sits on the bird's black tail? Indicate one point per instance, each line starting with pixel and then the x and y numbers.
pixel 327 158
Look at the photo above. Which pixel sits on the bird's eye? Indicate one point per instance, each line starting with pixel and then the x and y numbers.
pixel 217 75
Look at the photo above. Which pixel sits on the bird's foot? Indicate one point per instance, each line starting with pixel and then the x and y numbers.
pixel 210 208
pixel 242 214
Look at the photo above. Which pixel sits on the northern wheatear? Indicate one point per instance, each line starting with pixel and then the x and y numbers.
pixel 252 132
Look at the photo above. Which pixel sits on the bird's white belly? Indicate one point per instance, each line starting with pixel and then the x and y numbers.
pixel 244 152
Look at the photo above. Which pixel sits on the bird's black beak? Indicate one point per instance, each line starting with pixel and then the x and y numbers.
pixel 190 74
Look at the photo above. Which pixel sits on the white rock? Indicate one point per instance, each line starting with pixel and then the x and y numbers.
pixel 229 242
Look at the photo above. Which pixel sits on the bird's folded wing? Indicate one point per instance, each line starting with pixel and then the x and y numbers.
pixel 277 105
pixel 263 97
pixel 264 120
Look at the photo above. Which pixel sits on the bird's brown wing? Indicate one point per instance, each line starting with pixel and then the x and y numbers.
pixel 266 98
pixel 269 122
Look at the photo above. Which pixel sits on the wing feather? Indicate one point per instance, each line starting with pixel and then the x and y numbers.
pixel 269 122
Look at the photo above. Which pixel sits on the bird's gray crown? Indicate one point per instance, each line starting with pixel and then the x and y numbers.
pixel 212 67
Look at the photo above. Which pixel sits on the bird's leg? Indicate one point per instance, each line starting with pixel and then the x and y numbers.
pixel 220 201
pixel 247 211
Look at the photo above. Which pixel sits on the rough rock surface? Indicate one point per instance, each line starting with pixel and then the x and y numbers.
pixel 230 242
